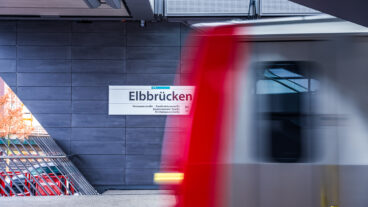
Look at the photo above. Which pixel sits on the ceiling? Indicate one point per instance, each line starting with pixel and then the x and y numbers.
pixel 58 8
pixel 351 10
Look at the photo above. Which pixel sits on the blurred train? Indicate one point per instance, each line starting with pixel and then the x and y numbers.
pixel 279 118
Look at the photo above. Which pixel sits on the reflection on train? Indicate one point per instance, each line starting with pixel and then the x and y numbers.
pixel 279 117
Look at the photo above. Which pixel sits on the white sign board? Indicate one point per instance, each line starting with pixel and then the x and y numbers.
pixel 150 100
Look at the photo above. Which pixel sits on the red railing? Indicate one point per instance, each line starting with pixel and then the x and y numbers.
pixel 40 185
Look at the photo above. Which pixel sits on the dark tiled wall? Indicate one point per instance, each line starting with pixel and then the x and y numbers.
pixel 61 71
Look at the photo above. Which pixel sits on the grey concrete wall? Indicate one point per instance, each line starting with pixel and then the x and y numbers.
pixel 61 71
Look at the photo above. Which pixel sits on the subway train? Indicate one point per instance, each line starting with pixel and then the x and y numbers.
pixel 279 116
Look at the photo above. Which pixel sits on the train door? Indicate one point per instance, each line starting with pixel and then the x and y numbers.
pixel 284 92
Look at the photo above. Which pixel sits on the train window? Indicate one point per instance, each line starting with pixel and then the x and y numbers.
pixel 282 90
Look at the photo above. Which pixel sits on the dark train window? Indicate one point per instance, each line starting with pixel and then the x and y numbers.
pixel 283 92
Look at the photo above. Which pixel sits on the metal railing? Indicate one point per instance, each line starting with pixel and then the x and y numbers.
pixel 38 167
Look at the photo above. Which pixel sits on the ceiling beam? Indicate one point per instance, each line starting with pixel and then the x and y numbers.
pixel 140 9
pixel 92 3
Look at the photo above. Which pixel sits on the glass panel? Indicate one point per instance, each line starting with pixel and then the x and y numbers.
pixel 300 85
pixel 282 90
pixel 281 72
pixel 31 163
pixel 272 87
pixel 286 139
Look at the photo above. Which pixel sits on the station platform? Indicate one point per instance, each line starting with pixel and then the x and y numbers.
pixel 121 198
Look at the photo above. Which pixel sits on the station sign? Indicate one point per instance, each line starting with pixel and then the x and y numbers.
pixel 150 100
